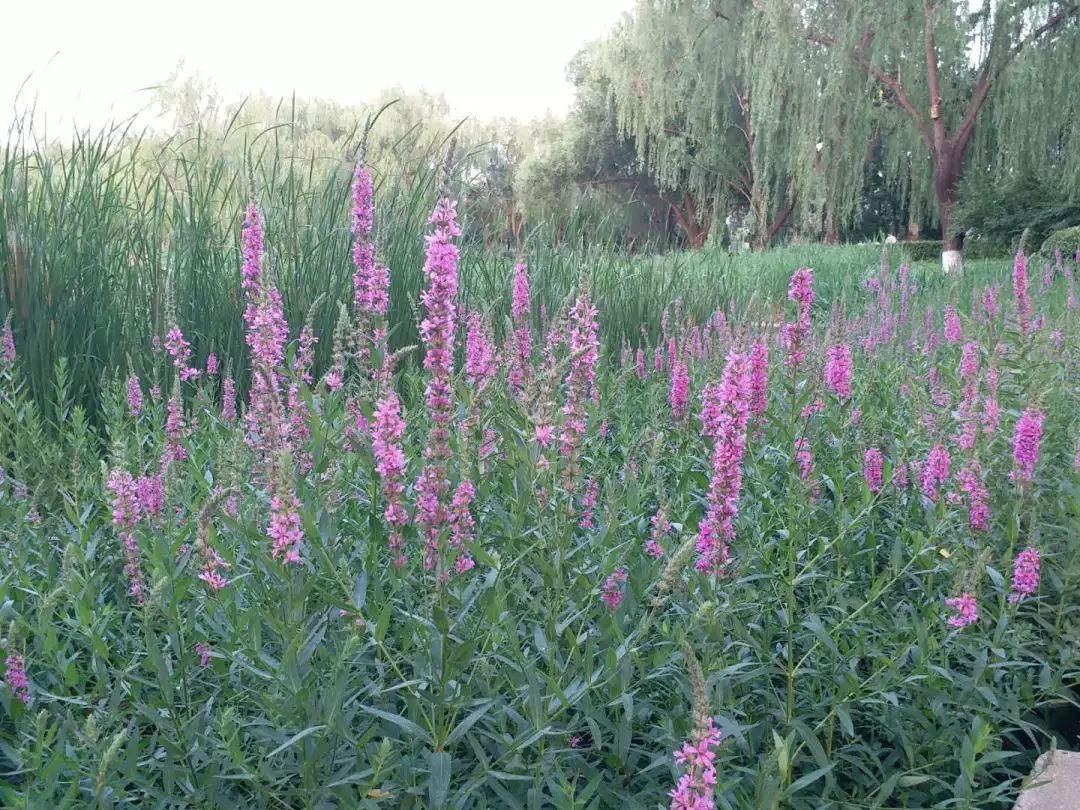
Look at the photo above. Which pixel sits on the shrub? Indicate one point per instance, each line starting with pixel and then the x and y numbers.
pixel 1067 240
pixel 923 250
pixel 1000 211
pixel 928 250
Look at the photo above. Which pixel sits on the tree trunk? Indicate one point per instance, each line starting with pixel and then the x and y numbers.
pixel 947 166
pixel 686 218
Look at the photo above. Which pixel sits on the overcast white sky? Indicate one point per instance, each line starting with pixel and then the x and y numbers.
pixel 87 61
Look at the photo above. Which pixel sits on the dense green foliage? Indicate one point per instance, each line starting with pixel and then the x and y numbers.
pixel 1065 242
pixel 107 229
pixel 1000 212
pixel 785 112
pixel 344 681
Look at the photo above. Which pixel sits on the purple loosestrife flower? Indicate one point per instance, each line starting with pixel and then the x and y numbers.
pixel 953 332
pixel 1021 294
pixel 1025 581
pixel 1026 438
pixel 16 678
pixel 267 333
pixel 795 333
pixel 990 304
pixel 969 361
pixel 252 248
pixel 481 364
pixel 228 399
pixel 1048 278
pixel 125 517
pixel 711 410
pixel 678 396
pixel 7 343
pixel 363 220
pixel 544 435
pixel 640 368
pixel 180 352
pixel 759 366
pixel 211 365
pixel 437 332
pixel 991 417
pixel 268 427
pixel 462 525
pixel 654 547
pixel 521 367
pixel 134 396
pixel 212 567
pixel 284 528
pixel 872 464
pixel 371 280
pixel 267 329
pixel 305 353
pixel 935 471
pixel 697 785
pixel 388 428
pixel 905 290
pixel 588 503
pixel 611 592
pixel 804 457
pixel 150 490
pixel 203 652
pixel 174 428
pixel 838 371
pixel 970 480
pixel 900 476
pixel 966 610
pixel 727 422
pixel 580 379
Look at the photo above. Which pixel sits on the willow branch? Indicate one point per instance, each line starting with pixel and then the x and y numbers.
pixel 988 77
pixel 892 83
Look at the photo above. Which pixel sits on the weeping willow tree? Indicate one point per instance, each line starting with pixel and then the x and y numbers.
pixel 724 121
pixel 957 84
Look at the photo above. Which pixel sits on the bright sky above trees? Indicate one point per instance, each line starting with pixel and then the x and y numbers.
pixel 488 57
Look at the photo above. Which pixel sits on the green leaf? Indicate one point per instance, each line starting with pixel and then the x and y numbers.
pixel 439 786
pixel 470 721
pixel 401 722
pixel 295 738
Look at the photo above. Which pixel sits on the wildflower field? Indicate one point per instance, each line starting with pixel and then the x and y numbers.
pixel 809 544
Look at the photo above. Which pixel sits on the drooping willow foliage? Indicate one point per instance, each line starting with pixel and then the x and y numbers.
pixel 777 106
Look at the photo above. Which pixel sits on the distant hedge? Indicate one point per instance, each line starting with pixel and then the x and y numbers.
pixel 1067 240
pixel 927 250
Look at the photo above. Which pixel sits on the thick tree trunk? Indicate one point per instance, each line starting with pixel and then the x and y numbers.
pixel 948 163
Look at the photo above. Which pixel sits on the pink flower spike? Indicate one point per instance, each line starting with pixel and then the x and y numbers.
pixel 965 610
pixel 1025 580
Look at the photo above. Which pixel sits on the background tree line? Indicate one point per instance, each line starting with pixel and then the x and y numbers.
pixel 748 121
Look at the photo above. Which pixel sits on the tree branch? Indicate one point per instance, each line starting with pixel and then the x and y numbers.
pixel 781 217
pixel 932 80
pixel 901 97
pixel 890 82
pixel 987 78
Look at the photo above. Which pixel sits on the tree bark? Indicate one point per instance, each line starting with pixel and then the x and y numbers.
pixel 686 218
